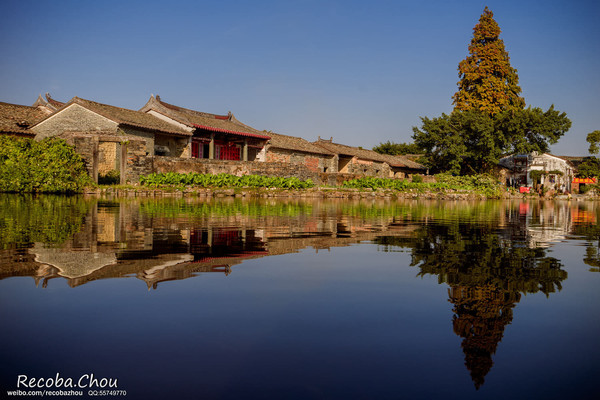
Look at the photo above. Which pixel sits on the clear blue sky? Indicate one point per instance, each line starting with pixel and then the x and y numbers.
pixel 363 72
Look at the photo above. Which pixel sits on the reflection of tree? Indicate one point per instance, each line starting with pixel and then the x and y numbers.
pixel 486 274
pixel 50 219
pixel 480 315
pixel 592 258
pixel 587 226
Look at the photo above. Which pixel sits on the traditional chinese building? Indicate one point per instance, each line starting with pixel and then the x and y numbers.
pixel 355 160
pixel 295 150
pixel 212 136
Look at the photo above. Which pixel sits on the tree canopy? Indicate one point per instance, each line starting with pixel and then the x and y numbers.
pixel 396 149
pixel 471 141
pixel 593 138
pixel 487 81
pixel 489 118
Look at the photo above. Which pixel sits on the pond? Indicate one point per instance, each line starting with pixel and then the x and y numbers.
pixel 230 299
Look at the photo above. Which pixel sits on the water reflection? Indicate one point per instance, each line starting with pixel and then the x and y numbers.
pixel 488 253
pixel 488 264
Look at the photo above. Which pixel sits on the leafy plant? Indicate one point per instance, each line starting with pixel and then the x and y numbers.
pixel 223 180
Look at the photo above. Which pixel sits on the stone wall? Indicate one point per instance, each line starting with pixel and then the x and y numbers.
pixel 178 146
pixel 238 168
pixel 360 167
pixel 314 162
pixel 148 137
pixel 99 151
pixel 134 161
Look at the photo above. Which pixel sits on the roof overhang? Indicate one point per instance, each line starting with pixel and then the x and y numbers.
pixel 220 130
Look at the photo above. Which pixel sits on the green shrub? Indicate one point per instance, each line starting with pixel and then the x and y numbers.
pixel 47 166
pixel 223 180
pixel 480 184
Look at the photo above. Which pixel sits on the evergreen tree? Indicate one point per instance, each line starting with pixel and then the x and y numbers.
pixel 489 118
pixel 487 83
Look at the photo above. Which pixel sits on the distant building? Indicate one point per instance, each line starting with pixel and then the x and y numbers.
pixel 295 150
pixel 543 170
pixel 354 160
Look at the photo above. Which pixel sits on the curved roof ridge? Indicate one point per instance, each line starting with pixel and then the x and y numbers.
pixel 55 103
pixel 190 111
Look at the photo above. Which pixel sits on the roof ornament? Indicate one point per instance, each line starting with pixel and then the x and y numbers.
pixel 158 97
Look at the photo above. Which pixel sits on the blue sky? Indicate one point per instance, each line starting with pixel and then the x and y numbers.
pixel 362 72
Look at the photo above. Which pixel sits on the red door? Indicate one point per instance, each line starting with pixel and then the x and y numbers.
pixel 228 152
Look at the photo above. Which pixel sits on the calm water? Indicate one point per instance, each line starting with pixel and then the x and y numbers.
pixel 297 299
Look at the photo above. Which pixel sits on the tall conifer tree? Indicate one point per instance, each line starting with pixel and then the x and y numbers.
pixel 487 83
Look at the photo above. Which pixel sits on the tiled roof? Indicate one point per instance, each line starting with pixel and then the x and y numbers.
pixel 402 162
pixel 17 119
pixel 344 150
pixel 124 116
pixel 202 120
pixel 394 161
pixel 295 143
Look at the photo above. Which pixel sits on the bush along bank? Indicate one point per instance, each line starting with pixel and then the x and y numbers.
pixel 47 166
pixel 222 180
pixel 480 185
pixel 224 185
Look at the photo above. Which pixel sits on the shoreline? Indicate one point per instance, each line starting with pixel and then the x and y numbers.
pixel 317 193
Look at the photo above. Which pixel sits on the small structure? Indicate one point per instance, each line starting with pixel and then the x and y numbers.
pixel 355 160
pixel 579 183
pixel 16 120
pixel 212 136
pixel 538 171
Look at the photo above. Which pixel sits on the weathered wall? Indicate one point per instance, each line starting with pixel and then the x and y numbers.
pixel 129 154
pixel 135 161
pixel 357 166
pixel 108 157
pixel 178 146
pixel 148 137
pixel 238 168
pixel 314 162
pixel 73 118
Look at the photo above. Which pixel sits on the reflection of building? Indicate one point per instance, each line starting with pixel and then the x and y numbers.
pixel 125 239
pixel 538 224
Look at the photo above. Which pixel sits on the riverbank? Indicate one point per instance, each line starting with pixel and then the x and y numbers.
pixel 311 193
